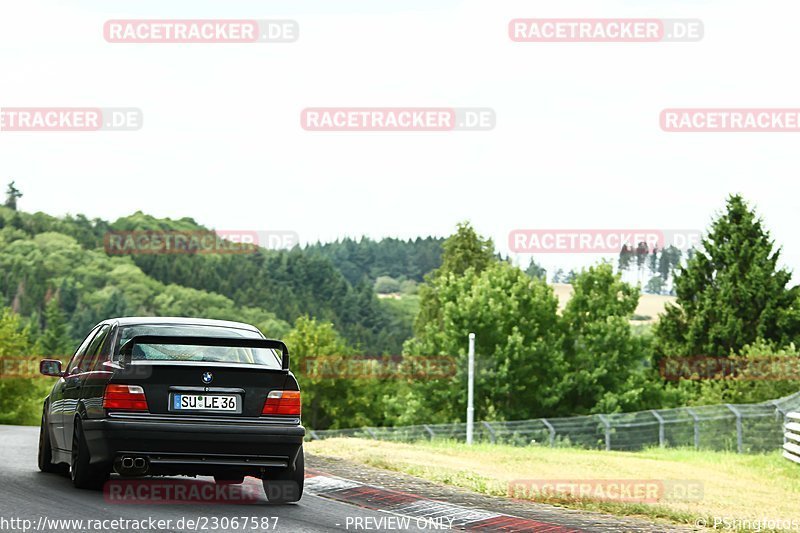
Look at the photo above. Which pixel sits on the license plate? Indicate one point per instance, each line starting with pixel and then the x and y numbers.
pixel 204 402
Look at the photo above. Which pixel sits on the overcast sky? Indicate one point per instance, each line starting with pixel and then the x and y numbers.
pixel 577 142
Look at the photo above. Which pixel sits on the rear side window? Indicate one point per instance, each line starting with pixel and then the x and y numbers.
pixel 80 354
pixel 94 354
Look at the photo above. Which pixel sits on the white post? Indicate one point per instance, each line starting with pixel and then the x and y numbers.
pixel 471 388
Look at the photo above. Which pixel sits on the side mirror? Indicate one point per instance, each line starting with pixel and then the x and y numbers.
pixel 50 367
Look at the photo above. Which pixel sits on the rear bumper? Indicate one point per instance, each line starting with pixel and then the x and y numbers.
pixel 193 445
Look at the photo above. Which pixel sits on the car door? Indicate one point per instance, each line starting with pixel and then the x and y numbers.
pixel 73 381
pixel 56 414
pixel 97 375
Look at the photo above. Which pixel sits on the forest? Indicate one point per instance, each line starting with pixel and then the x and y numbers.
pixel 354 299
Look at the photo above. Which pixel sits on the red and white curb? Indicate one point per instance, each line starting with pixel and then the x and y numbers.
pixel 422 511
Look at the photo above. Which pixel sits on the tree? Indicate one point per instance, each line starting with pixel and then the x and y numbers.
pixel 13 337
pixel 409 286
pixel 655 285
pixel 641 255
pixel 625 258
pixel 466 249
pixel 652 261
pixel 535 270
pixel 515 320
pixel 55 342
pixel 20 395
pixel 557 276
pixel 761 375
pixel 332 395
pixel 386 285
pixel 606 364
pixel 731 292
pixel 518 347
pixel 669 259
pixel 12 193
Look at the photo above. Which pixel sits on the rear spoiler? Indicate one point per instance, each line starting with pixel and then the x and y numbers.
pixel 229 342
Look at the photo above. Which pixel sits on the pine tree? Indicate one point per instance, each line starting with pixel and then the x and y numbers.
pixel 466 249
pixel 12 193
pixel 463 251
pixel 669 259
pixel 655 285
pixel 731 291
pixel 625 257
pixel 535 270
pixel 55 341
pixel 652 261
pixel 641 255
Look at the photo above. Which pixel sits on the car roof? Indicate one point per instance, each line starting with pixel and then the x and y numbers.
pixel 183 321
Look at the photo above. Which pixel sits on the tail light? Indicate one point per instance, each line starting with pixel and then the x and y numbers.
pixel 125 398
pixel 282 402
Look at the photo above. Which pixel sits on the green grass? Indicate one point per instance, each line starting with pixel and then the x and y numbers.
pixel 733 485
pixel 21 400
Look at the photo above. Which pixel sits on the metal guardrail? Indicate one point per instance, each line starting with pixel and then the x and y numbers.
pixel 791 437
pixel 742 428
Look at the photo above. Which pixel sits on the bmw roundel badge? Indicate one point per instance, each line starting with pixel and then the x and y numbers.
pixel 208 377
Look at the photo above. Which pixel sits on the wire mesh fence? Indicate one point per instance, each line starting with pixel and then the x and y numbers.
pixel 744 428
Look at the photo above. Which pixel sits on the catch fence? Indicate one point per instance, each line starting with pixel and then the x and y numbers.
pixel 744 428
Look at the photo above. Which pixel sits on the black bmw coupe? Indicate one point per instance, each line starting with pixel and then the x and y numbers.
pixel 175 396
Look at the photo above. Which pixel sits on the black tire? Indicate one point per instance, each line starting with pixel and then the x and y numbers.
pixel 83 474
pixel 46 463
pixel 286 485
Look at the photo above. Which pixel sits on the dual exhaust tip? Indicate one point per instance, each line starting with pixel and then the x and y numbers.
pixel 133 465
pixel 133 462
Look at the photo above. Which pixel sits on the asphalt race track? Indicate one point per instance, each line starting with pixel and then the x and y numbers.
pixel 32 501
pixel 27 494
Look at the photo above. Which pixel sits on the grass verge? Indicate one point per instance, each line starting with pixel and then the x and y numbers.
pixel 733 486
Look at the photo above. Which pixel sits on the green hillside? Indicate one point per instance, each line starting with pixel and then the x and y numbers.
pixel 44 257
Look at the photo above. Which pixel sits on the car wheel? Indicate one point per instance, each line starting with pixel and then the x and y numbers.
pixel 286 485
pixel 84 476
pixel 46 463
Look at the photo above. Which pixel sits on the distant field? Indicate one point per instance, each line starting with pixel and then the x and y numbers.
pixel 731 485
pixel 650 305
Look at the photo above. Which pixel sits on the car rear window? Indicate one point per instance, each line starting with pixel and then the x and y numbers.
pixel 210 354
